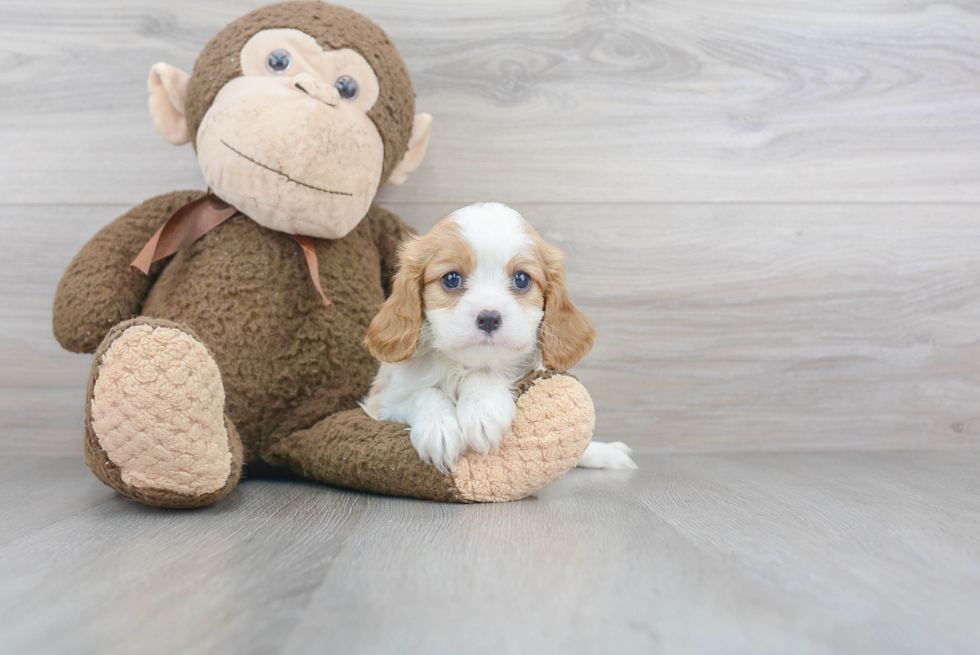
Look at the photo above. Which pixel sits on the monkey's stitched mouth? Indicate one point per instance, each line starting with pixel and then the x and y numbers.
pixel 288 177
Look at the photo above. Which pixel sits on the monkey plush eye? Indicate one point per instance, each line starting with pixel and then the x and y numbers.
pixel 279 61
pixel 522 281
pixel 346 86
pixel 452 281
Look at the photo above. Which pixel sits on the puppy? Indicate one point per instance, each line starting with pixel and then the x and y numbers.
pixel 476 304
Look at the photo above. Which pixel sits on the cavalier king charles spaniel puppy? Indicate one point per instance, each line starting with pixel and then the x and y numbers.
pixel 476 304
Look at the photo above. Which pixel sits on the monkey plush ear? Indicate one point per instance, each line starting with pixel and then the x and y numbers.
pixel 168 94
pixel 417 145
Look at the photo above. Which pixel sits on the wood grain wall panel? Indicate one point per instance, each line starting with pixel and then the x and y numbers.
pixel 722 327
pixel 549 101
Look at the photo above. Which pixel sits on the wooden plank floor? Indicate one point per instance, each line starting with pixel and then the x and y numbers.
pixel 771 553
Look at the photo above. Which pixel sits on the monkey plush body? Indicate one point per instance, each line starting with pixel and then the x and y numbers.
pixel 223 355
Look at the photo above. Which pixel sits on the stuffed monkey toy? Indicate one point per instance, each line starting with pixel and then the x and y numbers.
pixel 228 326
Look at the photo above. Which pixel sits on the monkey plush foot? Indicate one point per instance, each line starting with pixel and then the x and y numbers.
pixel 551 430
pixel 553 426
pixel 155 425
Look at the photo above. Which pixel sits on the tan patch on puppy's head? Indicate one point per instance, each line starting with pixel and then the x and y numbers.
pixel 394 333
pixel 532 264
pixel 449 252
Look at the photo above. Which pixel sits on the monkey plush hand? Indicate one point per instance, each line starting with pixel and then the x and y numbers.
pixel 239 339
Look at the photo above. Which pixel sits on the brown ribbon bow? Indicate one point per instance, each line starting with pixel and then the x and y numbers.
pixel 197 218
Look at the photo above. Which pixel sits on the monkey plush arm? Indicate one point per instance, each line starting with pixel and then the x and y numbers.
pixel 98 290
pixel 389 233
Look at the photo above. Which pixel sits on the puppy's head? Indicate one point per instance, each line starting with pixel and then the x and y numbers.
pixel 487 289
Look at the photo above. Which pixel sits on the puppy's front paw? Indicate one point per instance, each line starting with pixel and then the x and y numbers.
pixel 438 439
pixel 485 420
pixel 614 455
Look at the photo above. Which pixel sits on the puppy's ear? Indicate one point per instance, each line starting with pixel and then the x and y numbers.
pixel 394 332
pixel 567 334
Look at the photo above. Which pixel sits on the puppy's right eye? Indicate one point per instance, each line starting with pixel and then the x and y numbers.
pixel 452 281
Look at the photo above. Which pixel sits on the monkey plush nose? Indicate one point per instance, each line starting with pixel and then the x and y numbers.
pixel 488 321
pixel 317 89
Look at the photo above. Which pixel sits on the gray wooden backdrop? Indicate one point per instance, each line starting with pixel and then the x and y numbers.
pixel 770 207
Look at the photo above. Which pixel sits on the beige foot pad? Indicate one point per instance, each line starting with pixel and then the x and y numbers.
pixel 157 411
pixel 554 424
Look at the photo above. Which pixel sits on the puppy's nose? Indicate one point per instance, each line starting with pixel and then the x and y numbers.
pixel 488 321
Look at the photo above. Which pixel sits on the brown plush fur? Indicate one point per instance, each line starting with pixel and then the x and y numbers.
pixel 286 360
pixel 351 449
pixel 98 290
pixel 334 28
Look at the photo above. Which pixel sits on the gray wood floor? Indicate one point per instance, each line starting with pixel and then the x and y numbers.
pixel 767 553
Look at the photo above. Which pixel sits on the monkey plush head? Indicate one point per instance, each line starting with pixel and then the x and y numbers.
pixel 299 112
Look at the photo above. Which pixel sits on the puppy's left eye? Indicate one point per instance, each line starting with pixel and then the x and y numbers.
pixel 522 281
pixel 452 281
